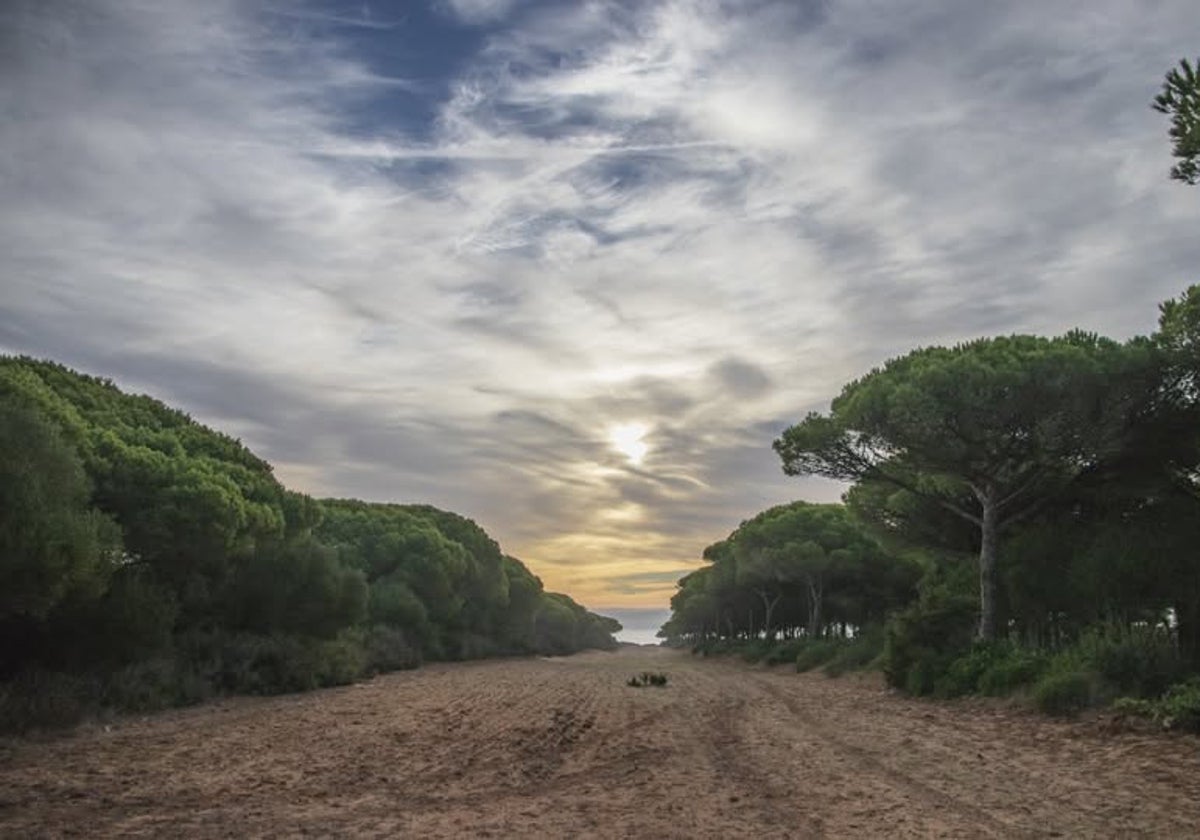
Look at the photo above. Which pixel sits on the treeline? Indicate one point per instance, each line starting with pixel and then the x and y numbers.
pixel 792 572
pixel 148 561
pixel 1024 516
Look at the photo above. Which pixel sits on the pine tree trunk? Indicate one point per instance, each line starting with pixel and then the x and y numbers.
pixel 769 609
pixel 815 595
pixel 989 533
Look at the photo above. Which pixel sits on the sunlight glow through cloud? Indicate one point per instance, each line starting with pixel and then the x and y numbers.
pixel 626 438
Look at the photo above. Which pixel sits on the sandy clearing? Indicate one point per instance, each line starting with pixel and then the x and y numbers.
pixel 563 748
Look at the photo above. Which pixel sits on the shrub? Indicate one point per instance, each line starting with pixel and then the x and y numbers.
pixel 783 652
pixel 1021 667
pixel 995 669
pixel 921 642
pixel 921 678
pixel 387 649
pixel 962 675
pixel 1064 693
pixel 143 686
pixel 754 650
pixel 274 664
pixel 717 647
pixel 1180 706
pixel 856 654
pixel 1140 661
pixel 342 660
pixel 44 700
pixel 815 652
pixel 1135 707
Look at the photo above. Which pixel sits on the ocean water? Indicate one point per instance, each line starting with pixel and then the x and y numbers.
pixel 639 625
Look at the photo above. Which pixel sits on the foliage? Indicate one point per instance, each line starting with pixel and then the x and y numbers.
pixel 38 699
pixel 1064 693
pixel 53 546
pixel 921 642
pixel 1020 668
pixel 994 669
pixel 1139 660
pixel 1178 708
pixel 1180 98
pixel 863 651
pixel 814 653
pixel 802 570
pixel 782 653
pixel 388 649
pixel 986 429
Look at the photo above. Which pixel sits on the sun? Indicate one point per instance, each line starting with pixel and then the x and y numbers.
pixel 626 438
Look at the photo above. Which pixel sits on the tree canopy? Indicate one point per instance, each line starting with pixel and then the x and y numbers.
pixel 1180 99
pixel 796 569
pixel 987 430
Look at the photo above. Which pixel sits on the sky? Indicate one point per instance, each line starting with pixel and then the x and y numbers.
pixel 568 268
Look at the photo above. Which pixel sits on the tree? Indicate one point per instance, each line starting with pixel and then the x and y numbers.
pixel 1004 422
pixel 53 545
pixel 1180 98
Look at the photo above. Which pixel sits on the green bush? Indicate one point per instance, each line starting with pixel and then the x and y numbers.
pixel 921 642
pixel 1064 693
pixel 387 649
pixel 815 652
pixel 783 652
pixel 994 669
pixel 1180 706
pixel 276 664
pixel 342 660
pixel 45 700
pixel 1140 661
pixel 860 652
pixel 718 647
pixel 754 650
pixel 1021 667
pixel 144 686
pixel 921 678
pixel 1135 707
pixel 962 675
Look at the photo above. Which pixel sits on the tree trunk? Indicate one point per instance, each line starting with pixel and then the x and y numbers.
pixel 768 609
pixel 989 537
pixel 815 596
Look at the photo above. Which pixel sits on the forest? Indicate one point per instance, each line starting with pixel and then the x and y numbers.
pixel 1023 516
pixel 147 561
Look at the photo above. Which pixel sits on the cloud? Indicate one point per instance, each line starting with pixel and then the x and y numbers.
pixel 697 216
pixel 478 11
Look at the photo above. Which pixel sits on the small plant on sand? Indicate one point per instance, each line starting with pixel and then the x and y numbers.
pixel 646 678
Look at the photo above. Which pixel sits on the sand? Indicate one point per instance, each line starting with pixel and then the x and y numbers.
pixel 563 748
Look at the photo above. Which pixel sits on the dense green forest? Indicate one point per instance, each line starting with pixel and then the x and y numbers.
pixel 148 561
pixel 1023 515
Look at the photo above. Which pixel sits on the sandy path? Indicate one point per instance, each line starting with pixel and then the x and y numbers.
pixel 563 748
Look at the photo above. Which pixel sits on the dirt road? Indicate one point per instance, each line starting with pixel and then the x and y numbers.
pixel 563 748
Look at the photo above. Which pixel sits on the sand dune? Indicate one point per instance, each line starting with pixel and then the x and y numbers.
pixel 537 748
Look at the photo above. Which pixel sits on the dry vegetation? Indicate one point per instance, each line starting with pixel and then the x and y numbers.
pixel 563 747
